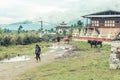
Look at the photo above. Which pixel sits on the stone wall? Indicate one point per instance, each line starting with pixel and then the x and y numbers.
pixel 109 32
pixel 114 62
pixel 114 45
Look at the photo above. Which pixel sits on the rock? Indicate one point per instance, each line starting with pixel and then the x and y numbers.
pixel 113 61
pixel 72 70
pixel 114 45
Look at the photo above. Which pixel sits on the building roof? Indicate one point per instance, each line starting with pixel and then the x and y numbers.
pixel 108 13
pixel 90 16
pixel 62 25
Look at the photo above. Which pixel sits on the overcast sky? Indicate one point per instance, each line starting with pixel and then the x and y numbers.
pixel 52 11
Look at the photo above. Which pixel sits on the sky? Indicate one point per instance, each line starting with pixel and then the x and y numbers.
pixel 52 11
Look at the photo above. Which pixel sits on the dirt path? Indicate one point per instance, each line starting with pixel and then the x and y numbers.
pixel 10 70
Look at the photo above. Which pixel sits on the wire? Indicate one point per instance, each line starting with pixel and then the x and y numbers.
pixel 48 23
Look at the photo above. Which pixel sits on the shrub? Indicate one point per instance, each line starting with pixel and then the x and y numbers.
pixel 19 39
pixel 5 41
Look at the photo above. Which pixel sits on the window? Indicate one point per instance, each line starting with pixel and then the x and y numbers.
pixel 109 23
pixel 117 21
pixel 95 23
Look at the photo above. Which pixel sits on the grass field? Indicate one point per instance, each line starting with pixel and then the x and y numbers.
pixel 14 50
pixel 92 64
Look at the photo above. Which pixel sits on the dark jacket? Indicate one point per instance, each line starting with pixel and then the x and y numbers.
pixel 37 50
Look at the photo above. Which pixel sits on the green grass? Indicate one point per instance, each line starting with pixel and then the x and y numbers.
pixel 94 66
pixel 14 50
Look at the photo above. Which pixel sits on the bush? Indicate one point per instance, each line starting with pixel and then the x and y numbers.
pixel 5 41
pixel 19 39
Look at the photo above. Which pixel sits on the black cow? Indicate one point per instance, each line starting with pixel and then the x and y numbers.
pixel 58 39
pixel 95 43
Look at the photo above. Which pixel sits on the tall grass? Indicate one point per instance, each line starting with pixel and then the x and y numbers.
pixel 18 39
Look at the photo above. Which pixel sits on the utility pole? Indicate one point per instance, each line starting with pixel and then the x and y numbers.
pixel 41 28
pixel 41 25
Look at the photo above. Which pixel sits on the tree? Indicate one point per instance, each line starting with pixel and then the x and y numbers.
pixel 80 25
pixel 1 31
pixel 19 29
pixel 72 28
pixel 7 31
pixel 51 30
pixel 64 32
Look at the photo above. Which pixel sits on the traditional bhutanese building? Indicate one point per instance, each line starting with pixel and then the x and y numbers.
pixel 105 24
pixel 62 27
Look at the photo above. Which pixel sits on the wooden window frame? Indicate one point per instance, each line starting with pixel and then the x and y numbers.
pixel 109 23
pixel 95 23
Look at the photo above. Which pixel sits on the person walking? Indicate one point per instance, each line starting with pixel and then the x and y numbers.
pixel 37 53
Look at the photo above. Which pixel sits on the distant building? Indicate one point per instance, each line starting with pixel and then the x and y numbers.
pixel 45 32
pixel 62 27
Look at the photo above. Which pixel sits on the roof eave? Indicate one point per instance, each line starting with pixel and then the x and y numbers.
pixel 85 16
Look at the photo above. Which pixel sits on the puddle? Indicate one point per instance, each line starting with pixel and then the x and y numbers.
pixel 24 57
pixel 53 47
pixel 17 58
pixel 57 47
pixel 59 53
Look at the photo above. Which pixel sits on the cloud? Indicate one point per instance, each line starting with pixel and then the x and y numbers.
pixel 51 10
pixel 41 9
pixel 7 20
pixel 19 9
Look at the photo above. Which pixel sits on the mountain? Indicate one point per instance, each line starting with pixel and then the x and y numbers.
pixel 32 25
pixel 27 25
pixel 24 22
